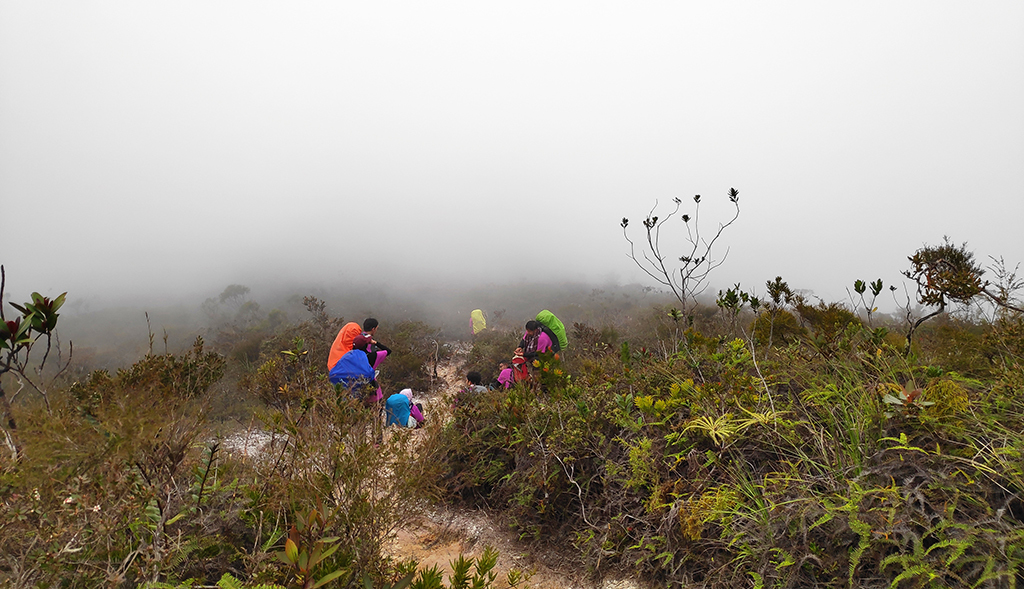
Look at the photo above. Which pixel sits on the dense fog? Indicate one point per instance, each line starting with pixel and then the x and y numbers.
pixel 151 155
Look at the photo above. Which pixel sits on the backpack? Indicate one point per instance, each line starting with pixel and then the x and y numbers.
pixel 548 319
pixel 556 345
pixel 353 373
pixel 343 343
pixel 520 369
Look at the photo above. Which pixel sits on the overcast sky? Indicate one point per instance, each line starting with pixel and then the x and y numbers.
pixel 177 147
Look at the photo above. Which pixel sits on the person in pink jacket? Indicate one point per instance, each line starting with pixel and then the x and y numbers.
pixel 537 339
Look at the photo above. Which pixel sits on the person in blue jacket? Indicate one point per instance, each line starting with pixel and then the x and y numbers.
pixel 401 411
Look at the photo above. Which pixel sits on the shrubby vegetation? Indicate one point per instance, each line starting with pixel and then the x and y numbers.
pixel 758 441
pixel 124 480
pixel 775 444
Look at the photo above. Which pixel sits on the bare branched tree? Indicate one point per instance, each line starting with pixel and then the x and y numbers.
pixel 688 279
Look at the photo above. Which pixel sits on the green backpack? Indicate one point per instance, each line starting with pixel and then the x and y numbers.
pixel 548 319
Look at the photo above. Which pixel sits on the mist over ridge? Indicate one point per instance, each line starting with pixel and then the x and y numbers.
pixel 152 155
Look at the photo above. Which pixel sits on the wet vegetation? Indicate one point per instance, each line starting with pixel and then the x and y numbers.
pixel 747 440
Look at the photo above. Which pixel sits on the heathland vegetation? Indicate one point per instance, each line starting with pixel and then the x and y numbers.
pixel 744 441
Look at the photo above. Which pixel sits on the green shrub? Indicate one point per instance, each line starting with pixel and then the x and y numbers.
pixel 416 352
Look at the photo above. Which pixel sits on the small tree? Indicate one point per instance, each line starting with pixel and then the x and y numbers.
pixel 946 274
pixel 732 301
pixel 18 338
pixel 779 295
pixel 689 279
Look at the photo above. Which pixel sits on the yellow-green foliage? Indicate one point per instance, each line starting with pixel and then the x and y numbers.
pixel 949 397
pixel 823 396
pixel 706 466
pixel 550 372
pixel 642 469
pixel 719 429
pixel 734 353
pixel 660 407
pixel 697 511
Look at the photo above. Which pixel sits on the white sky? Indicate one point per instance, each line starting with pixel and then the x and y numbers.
pixel 178 147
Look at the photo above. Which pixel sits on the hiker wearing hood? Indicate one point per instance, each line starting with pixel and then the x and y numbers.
pixel 555 328
pixel 401 411
pixel 366 345
pixel 477 321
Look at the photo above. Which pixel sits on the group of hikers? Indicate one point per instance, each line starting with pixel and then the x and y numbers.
pixel 354 361
pixel 543 334
pixel 356 356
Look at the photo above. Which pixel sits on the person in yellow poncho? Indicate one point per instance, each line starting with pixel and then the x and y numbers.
pixel 477 321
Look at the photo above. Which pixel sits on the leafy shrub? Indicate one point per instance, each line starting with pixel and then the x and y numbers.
pixel 416 352
pixel 591 342
pixel 778 329
pixel 106 482
pixel 949 396
pixel 829 325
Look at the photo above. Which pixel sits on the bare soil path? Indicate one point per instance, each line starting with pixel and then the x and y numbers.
pixel 439 537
